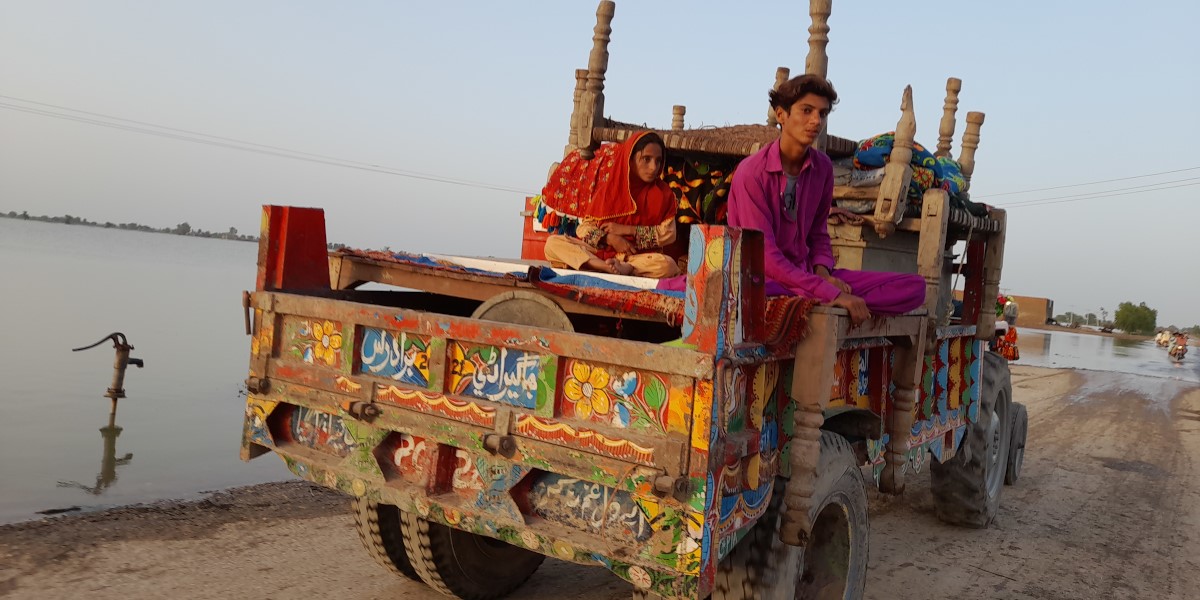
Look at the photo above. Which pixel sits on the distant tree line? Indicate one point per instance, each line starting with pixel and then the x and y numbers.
pixel 181 229
pixel 1131 318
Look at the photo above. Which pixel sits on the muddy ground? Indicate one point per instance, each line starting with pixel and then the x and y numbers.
pixel 1108 507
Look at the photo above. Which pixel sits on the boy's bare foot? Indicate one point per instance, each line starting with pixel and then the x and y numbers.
pixel 617 267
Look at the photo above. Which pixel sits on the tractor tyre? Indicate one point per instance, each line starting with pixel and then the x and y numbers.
pixel 833 564
pixel 1016 447
pixel 966 488
pixel 462 564
pixel 379 529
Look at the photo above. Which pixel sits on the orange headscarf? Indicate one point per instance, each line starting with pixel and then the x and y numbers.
pixel 605 189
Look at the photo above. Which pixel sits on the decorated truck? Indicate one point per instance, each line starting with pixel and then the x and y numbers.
pixel 484 414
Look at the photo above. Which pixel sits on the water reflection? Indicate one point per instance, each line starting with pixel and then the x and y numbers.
pixel 1033 343
pixel 108 462
pixel 1061 349
pixel 179 298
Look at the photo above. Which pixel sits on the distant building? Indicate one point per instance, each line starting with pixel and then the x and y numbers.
pixel 1031 311
pixel 1034 312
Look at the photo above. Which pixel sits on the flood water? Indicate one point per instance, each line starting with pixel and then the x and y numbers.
pixel 1064 350
pixel 178 432
pixel 178 300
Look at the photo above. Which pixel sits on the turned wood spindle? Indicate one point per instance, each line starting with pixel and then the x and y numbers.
pixel 573 139
pixel 812 378
pixel 781 75
pixel 591 103
pixel 946 127
pixel 909 358
pixel 818 37
pixel 970 143
pixel 817 61
pixel 677 113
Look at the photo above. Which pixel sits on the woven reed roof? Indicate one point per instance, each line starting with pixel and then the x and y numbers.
pixel 733 140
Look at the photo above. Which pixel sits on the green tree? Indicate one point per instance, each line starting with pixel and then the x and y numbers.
pixel 1136 318
pixel 182 229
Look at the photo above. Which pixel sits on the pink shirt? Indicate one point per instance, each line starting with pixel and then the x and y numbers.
pixel 792 246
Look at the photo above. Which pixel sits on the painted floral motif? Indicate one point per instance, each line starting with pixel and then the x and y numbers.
pixel 639 577
pixel 320 342
pixel 621 397
pixel 641 401
pixel 585 388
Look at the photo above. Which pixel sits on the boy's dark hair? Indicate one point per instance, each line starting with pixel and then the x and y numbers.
pixel 798 87
pixel 646 140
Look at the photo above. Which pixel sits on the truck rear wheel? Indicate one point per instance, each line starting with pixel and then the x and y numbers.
pixel 834 562
pixel 1016 447
pixel 462 564
pixel 966 488
pixel 379 528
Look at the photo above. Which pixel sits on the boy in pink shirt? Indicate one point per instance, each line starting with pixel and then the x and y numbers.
pixel 785 191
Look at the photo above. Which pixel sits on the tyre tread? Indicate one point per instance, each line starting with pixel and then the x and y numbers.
pixel 761 560
pixel 960 484
pixel 431 550
pixel 378 527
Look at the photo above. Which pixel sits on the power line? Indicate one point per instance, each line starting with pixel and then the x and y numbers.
pixel 1059 187
pixel 1052 201
pixel 235 144
pixel 1082 196
pixel 136 126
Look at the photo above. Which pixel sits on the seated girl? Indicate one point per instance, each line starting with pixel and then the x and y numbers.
pixel 626 212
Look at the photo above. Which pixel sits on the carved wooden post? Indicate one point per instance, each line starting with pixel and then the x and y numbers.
pixel 931 248
pixel 573 140
pixel 812 378
pixel 818 37
pixel 910 357
pixel 970 143
pixel 946 128
pixel 677 113
pixel 893 191
pixel 818 60
pixel 993 264
pixel 781 75
pixel 591 103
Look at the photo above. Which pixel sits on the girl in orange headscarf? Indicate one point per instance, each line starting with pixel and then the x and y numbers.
pixel 626 212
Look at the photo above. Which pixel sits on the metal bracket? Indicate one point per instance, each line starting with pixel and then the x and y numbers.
pixel 501 441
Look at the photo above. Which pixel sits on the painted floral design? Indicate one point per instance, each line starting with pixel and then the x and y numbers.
pixel 323 342
pixel 585 388
pixel 640 577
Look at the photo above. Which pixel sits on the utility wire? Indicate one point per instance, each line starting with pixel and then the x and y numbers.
pixel 1059 187
pixel 1107 195
pixel 235 144
pixel 269 150
pixel 1082 196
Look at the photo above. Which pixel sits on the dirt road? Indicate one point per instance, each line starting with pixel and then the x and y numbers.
pixel 1108 507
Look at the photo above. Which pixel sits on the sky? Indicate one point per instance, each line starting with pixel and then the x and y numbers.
pixel 374 105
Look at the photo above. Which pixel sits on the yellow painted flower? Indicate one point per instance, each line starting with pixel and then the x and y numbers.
pixel 328 341
pixel 564 550
pixel 586 389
